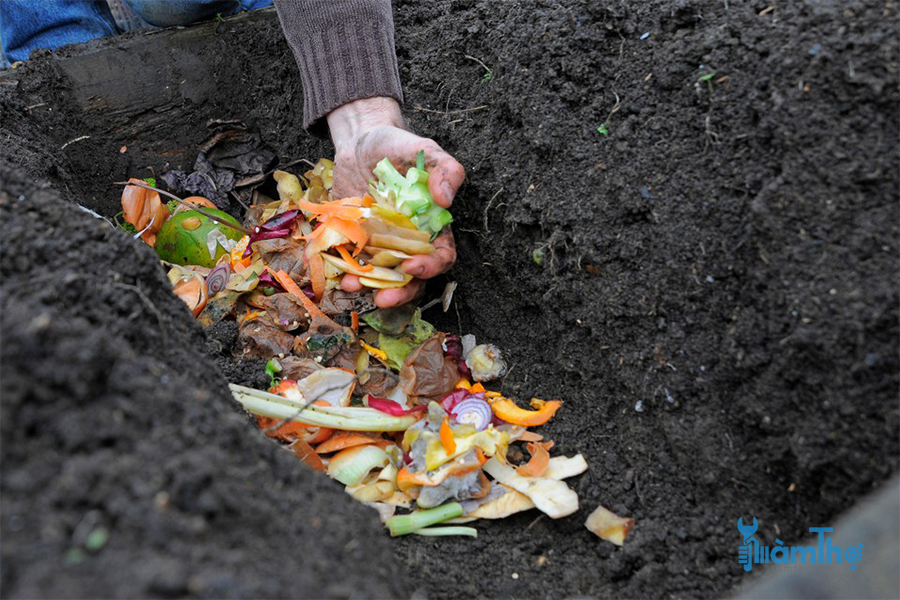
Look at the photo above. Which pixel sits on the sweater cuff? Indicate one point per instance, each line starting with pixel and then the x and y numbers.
pixel 345 51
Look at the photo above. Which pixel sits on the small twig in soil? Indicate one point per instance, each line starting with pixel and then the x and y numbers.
pixel 604 126
pixel 78 139
pixel 146 300
pixel 487 208
pixel 533 523
pixel 203 212
pixel 711 136
pixel 450 112
pixel 508 371
pixel 489 73
pixel 238 198
pixel 447 103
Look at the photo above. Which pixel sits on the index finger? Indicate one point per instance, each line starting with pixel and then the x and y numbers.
pixel 445 176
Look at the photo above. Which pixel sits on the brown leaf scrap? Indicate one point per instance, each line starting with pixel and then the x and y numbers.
pixel 427 373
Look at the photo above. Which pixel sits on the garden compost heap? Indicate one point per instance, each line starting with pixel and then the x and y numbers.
pixel 690 236
pixel 395 409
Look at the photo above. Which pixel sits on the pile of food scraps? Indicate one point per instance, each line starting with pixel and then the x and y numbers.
pixel 378 399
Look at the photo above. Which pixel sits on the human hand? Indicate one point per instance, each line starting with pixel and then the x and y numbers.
pixel 368 130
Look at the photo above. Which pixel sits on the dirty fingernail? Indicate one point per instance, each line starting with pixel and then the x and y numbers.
pixel 448 191
pixel 416 271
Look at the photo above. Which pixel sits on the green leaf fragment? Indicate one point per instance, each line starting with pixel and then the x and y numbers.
pixel 273 368
pixel 538 257
pixel 398 347
pixel 150 181
pixel 127 227
pixel 390 321
pixel 123 225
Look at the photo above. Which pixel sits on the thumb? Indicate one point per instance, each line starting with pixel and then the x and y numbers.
pixel 445 178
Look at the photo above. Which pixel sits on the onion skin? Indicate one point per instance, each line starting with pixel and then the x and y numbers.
pixel 393 407
pixel 266 280
pixel 278 226
pixel 351 466
pixel 282 221
pixel 192 292
pixel 451 400
pixel 455 351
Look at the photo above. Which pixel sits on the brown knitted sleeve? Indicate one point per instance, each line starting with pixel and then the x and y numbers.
pixel 345 51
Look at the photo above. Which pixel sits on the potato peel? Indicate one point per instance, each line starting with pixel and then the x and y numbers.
pixel 609 526
pixel 377 273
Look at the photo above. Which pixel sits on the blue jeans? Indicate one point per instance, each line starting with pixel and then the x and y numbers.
pixel 27 25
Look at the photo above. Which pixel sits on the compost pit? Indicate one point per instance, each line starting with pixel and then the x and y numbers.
pixel 710 287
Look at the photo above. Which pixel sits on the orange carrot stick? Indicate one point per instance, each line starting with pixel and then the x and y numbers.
pixel 447 440
pixel 291 286
pixel 354 321
pixel 317 275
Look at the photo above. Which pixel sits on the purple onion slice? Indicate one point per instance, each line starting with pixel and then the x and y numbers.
pixel 218 279
pixel 473 411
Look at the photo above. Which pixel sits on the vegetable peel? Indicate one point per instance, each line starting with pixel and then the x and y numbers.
pixel 609 526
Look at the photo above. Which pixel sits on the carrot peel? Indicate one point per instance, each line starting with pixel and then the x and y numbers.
pixel 506 410
pixel 540 460
pixel 317 275
pixel 305 453
pixel 346 256
pixel 291 286
pixel 447 440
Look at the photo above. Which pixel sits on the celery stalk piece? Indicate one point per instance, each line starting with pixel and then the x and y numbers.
pixel 405 524
pixel 348 418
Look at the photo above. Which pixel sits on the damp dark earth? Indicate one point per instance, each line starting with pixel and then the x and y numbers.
pixel 680 217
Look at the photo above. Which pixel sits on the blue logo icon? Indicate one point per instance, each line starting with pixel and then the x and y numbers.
pixel 853 554
pixel 752 551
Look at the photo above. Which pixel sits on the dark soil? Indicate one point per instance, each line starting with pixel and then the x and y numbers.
pixel 712 288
